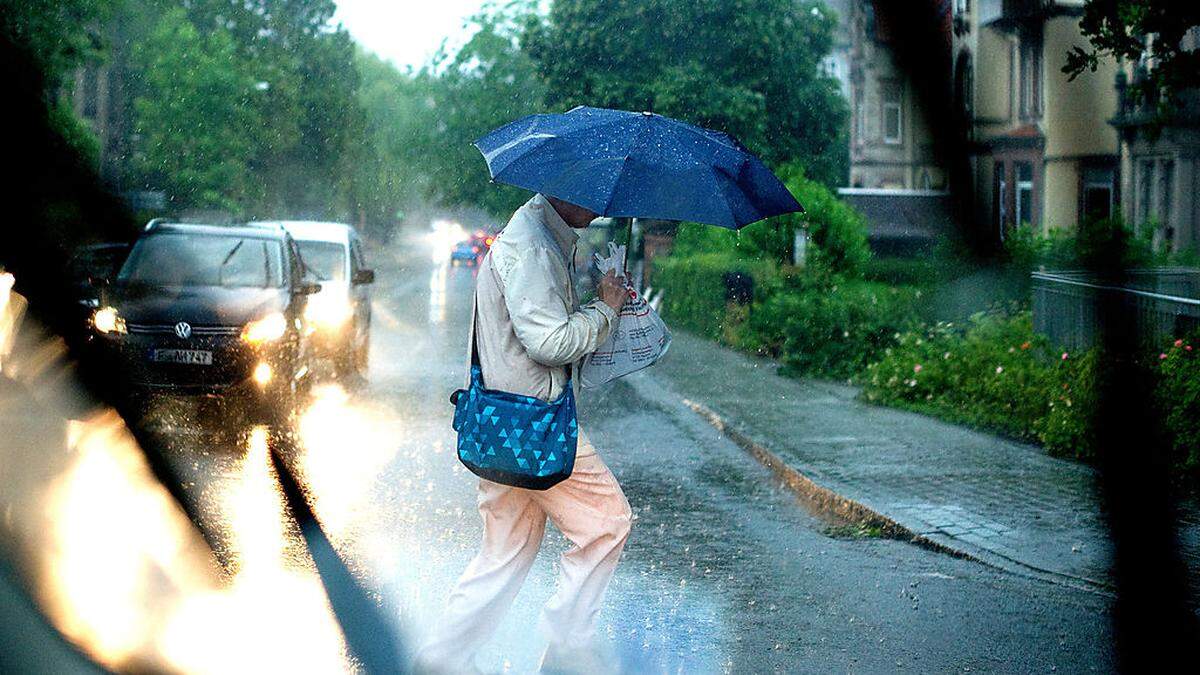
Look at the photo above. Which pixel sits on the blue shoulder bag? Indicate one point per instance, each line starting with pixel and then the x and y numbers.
pixel 514 439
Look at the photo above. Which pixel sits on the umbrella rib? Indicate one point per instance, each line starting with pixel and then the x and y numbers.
pixel 625 162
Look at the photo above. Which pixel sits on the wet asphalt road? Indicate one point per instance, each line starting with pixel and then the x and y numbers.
pixel 725 570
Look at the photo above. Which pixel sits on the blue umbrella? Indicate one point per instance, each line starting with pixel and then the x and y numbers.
pixel 642 165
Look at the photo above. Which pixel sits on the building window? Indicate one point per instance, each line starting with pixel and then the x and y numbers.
pixel 1166 183
pixel 1097 193
pixel 1145 187
pixel 964 86
pixel 91 93
pixel 1000 199
pixel 1155 205
pixel 1031 73
pixel 859 118
pixel 893 119
pixel 1024 195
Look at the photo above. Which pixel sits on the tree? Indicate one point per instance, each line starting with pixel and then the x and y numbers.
pixel 61 34
pixel 747 67
pixel 390 153
pixel 193 117
pixel 1143 31
pixel 489 82
pixel 306 98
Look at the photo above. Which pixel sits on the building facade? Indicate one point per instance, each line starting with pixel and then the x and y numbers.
pixel 890 143
pixel 1043 153
pixel 1160 163
pixel 100 96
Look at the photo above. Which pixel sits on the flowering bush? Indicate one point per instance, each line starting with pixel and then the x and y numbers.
pixel 991 372
pixel 1177 398
pixel 995 373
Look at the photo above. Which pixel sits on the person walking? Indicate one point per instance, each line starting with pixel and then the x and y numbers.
pixel 529 330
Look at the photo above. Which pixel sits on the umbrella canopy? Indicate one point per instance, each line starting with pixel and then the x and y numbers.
pixel 642 165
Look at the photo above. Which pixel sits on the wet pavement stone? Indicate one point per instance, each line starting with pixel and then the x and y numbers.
pixel 1003 502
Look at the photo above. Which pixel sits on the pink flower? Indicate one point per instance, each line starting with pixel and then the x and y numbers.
pixel 999 369
pixel 1161 357
pixel 1179 343
pixel 1188 348
pixel 917 368
pixel 1064 358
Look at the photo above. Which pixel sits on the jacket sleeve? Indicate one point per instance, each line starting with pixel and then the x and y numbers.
pixel 535 293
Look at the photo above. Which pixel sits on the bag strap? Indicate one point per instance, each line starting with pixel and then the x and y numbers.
pixel 475 348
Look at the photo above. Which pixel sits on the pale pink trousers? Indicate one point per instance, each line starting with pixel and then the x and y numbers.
pixel 590 509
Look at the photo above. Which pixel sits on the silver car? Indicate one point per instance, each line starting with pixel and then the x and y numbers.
pixel 338 318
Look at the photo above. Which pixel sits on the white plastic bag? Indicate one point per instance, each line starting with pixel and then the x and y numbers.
pixel 639 339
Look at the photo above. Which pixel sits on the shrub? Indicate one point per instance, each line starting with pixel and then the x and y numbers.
pixel 694 289
pixel 1101 243
pixel 837 230
pixel 828 325
pixel 992 373
pixel 1177 398
pixel 1067 429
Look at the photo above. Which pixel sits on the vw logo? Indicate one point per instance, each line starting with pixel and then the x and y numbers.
pixel 183 329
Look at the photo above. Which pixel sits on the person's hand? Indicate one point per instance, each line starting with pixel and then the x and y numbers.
pixel 612 291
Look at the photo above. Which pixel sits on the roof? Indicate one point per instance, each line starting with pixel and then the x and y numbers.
pixel 252 231
pixel 312 230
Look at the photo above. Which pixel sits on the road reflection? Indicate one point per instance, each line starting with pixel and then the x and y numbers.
pixel 113 561
pixel 344 447
pixel 437 293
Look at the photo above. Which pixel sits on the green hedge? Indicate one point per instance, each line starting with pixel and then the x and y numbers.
pixel 830 326
pixel 694 289
pixel 837 233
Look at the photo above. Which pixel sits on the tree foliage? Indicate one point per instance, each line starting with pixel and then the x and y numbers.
pixel 193 118
pixel 1150 32
pixel 746 67
pixel 489 82
pixel 263 107
pixel 61 34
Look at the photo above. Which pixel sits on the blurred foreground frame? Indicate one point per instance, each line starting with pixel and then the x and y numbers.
pixel 56 202
pixel 1153 621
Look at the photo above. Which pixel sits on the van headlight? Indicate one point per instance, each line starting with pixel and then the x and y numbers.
pixel 267 329
pixel 327 310
pixel 106 320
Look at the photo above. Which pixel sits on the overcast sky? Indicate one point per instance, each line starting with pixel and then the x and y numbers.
pixel 405 32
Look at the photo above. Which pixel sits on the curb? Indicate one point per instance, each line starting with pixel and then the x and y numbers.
pixel 824 499
pixel 829 502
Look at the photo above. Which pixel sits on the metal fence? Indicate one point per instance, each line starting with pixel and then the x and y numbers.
pixel 1163 303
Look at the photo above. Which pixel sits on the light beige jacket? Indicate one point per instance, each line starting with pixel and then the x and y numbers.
pixel 528 323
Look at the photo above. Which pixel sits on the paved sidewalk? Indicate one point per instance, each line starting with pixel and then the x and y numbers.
pixel 1005 503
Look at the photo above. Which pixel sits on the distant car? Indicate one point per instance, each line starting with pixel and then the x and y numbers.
pixel 339 317
pixel 214 311
pixel 465 252
pixel 471 251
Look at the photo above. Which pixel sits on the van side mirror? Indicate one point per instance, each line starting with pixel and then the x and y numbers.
pixel 364 277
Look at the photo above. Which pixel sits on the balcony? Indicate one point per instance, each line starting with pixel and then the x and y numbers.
pixel 1008 14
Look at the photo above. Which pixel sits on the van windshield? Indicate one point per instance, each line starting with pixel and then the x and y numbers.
pixel 326 260
pixel 177 259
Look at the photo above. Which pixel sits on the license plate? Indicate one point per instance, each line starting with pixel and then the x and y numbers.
pixel 189 356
